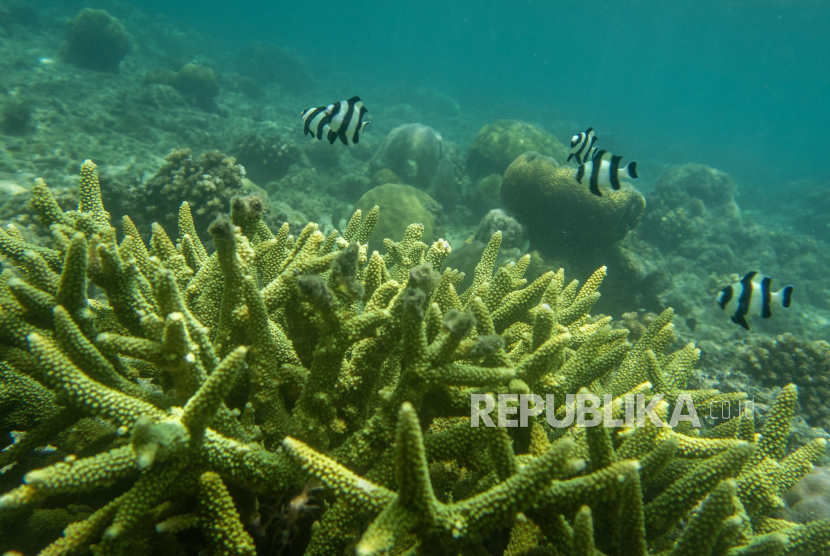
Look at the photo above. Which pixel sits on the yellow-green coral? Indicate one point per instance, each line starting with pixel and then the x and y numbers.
pixel 498 144
pixel 561 215
pixel 231 376
pixel 400 205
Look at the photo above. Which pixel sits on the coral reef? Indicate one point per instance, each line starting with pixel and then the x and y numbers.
pixel 694 205
pixel 498 144
pixel 809 499
pixel 562 216
pixel 265 155
pixel 16 117
pixel 488 192
pixel 208 181
pixel 513 234
pixel 197 82
pixel 96 41
pixel 411 151
pixel 783 359
pixel 813 220
pixel 694 229
pixel 220 380
pixel 401 205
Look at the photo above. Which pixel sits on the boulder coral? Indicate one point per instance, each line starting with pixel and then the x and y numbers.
pixel 96 41
pixel 809 499
pixel 411 151
pixel 214 382
pixel 209 181
pixel 400 205
pixel 694 205
pixel 197 82
pixel 265 155
pixel 562 216
pixel 785 358
pixel 498 144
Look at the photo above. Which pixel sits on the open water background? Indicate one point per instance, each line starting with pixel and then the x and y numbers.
pixel 742 86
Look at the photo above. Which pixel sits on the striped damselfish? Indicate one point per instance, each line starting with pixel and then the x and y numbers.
pixel 343 120
pixel 753 296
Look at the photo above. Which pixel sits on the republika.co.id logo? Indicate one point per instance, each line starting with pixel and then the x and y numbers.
pixel 589 410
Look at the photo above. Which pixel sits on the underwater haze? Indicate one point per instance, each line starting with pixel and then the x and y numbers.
pixel 740 85
pixel 262 262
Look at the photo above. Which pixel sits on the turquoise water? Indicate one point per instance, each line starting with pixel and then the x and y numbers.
pixel 740 85
pixel 724 105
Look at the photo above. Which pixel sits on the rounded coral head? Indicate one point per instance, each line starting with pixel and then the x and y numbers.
pixel 96 41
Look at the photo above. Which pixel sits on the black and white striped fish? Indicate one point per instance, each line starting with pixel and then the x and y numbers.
pixel 604 169
pixel 753 296
pixel 582 146
pixel 343 120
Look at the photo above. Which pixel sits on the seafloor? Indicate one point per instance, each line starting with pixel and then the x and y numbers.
pixel 177 118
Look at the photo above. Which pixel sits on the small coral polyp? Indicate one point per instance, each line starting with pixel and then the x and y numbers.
pixel 194 387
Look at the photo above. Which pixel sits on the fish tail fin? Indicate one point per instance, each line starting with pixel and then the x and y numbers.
pixel 787 297
pixel 632 170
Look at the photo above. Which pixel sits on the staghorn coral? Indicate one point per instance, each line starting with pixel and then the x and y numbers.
pixel 400 206
pixel 270 363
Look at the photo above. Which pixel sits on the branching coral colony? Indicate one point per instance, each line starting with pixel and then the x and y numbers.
pixel 206 384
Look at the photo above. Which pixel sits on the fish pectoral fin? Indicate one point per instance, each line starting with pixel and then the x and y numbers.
pixel 741 320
